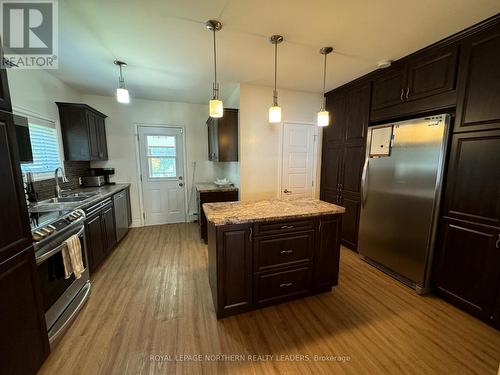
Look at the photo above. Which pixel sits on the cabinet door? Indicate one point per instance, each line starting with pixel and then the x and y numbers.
pixel 5 103
pixel 23 340
pixel 388 88
pixel 468 269
pixel 108 226
pixel 432 73
pixel 357 112
pixel 234 262
pixel 350 220
pixel 478 105
pixel 472 187
pixel 93 136
pixel 327 253
pixel 227 136
pixel 352 167
pixel 336 106
pixel 331 171
pixel 14 223
pixel 101 136
pixel 95 241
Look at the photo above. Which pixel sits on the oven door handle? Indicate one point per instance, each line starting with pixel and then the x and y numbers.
pixel 42 258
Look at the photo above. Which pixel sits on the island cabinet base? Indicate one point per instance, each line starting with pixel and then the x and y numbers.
pixel 259 264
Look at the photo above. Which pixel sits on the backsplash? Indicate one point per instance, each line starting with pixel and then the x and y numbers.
pixel 73 169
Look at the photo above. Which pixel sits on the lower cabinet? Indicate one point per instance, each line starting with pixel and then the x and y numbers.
pixel 100 232
pixel 260 264
pixel 467 269
pixel 24 342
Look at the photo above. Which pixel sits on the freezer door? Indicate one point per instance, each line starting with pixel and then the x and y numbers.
pixel 400 195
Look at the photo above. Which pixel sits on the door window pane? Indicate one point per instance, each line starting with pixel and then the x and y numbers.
pixel 162 156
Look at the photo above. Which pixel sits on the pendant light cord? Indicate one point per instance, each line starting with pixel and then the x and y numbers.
pixel 121 80
pixel 216 85
pixel 324 84
pixel 275 92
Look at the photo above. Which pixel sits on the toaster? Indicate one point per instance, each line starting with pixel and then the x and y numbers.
pixel 93 181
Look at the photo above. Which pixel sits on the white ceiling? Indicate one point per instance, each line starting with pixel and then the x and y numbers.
pixel 168 48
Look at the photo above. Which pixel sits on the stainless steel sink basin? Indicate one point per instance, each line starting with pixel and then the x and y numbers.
pixel 64 200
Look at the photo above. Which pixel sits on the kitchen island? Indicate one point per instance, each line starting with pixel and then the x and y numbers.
pixel 266 252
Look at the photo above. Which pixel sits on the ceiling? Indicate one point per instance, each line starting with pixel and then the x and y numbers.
pixel 169 53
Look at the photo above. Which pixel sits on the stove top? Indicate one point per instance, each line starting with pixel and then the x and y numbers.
pixel 47 225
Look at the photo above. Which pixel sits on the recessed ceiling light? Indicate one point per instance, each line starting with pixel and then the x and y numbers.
pixel 382 64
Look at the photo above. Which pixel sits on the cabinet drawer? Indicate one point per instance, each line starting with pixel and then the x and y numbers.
pixel 280 286
pixel 283 250
pixel 276 227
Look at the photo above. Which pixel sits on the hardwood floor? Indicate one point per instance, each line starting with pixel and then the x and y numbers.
pixel 151 298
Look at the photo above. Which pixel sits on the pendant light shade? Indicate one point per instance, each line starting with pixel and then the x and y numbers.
pixel 215 105
pixel 122 95
pixel 323 115
pixel 275 110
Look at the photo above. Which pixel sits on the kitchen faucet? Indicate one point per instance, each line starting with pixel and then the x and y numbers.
pixel 56 178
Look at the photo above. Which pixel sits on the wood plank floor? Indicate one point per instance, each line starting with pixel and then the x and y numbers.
pixel 151 298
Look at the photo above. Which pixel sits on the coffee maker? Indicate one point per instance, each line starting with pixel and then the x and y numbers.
pixel 106 172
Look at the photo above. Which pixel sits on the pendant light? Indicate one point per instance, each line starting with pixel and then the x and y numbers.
pixel 215 106
pixel 323 115
pixel 275 110
pixel 122 95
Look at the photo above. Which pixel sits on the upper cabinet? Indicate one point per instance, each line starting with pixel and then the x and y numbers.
pixel 5 104
pixel 423 82
pixel 479 82
pixel 223 136
pixel 83 132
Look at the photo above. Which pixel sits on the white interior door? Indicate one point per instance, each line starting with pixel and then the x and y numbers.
pixel 298 160
pixel 161 157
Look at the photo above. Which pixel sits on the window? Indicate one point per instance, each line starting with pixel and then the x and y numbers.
pixel 162 156
pixel 45 148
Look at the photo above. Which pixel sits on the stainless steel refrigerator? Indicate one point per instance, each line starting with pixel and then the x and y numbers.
pixel 400 194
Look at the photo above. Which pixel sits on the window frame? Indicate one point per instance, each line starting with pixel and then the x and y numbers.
pixel 41 120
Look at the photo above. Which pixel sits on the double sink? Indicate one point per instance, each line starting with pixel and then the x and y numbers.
pixel 68 201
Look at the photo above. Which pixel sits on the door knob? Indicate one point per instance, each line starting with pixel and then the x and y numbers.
pixel 181 184
pixel 180 178
pixel 286 191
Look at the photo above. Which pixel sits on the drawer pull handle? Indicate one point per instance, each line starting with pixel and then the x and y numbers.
pixel 286 251
pixel 286 226
pixel 497 244
pixel 285 285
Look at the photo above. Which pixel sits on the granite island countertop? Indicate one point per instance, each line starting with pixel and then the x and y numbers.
pixel 204 187
pixel 223 213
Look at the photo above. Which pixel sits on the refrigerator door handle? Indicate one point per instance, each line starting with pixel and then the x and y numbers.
pixel 363 182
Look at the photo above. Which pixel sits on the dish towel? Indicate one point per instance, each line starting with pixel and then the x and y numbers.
pixel 72 257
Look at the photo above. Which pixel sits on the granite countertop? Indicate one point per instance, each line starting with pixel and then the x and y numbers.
pixel 203 187
pixel 267 210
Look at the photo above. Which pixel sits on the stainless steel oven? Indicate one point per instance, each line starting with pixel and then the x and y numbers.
pixel 62 298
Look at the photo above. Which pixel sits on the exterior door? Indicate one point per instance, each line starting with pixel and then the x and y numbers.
pixel 161 156
pixel 298 160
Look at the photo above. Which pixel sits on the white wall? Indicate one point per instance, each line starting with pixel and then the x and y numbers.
pixel 120 133
pixel 260 142
pixel 37 91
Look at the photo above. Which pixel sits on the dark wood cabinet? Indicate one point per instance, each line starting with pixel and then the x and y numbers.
pixel 468 267
pixel 479 82
pixel 5 102
pixel 473 181
pixel 223 136
pixel 95 241
pixel 230 268
pixel 24 340
pixel 425 81
pixel 100 232
pixel 343 154
pixel 211 196
pixel 259 264
pixel 83 132
pixel 14 222
pixel 327 252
